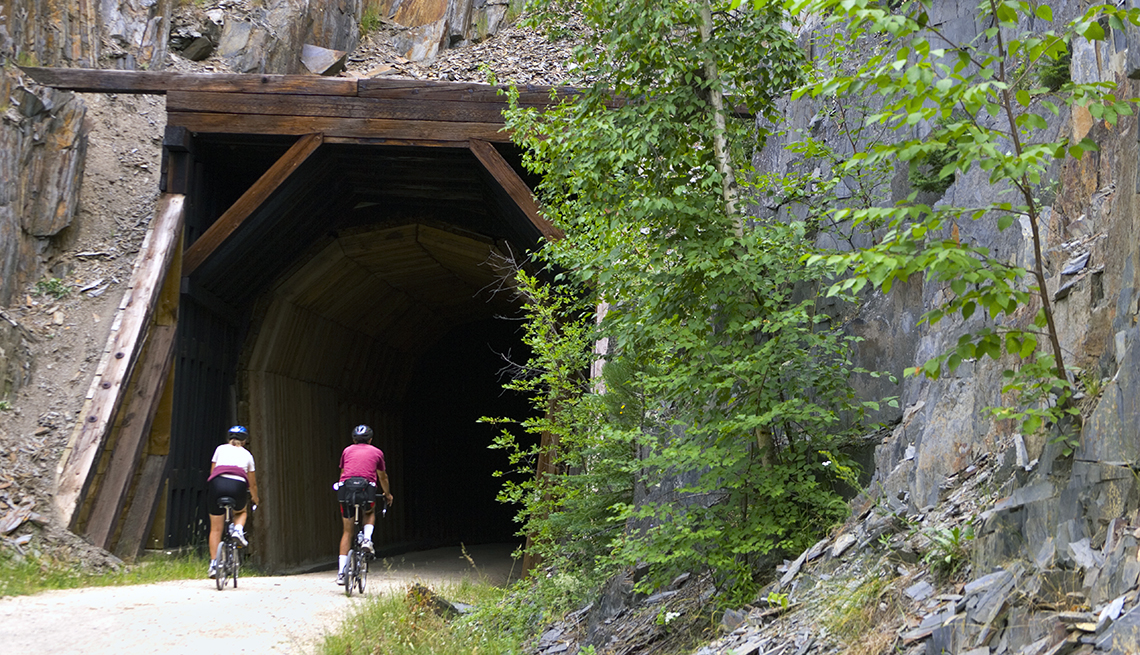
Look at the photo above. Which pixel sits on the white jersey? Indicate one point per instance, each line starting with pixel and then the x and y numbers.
pixel 230 455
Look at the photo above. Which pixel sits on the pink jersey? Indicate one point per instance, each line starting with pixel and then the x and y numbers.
pixel 361 460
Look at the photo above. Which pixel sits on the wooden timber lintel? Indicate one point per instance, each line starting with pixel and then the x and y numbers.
pixel 249 201
pixel 85 447
pixel 91 80
pixel 159 82
pixel 514 186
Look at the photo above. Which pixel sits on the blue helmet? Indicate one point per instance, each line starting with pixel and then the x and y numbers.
pixel 239 432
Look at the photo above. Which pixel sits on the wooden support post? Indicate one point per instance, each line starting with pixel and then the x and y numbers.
pixel 514 186
pixel 177 160
pixel 76 465
pixel 249 201
pixel 139 411
pixel 144 517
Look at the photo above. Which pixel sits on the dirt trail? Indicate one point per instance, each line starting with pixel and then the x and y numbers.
pixel 281 614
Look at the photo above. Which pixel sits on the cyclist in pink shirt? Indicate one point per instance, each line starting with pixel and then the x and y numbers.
pixel 360 463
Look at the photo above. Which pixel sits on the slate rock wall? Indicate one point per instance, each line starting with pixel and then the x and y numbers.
pixel 1057 512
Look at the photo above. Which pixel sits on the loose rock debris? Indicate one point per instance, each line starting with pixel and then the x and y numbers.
pixel 869 588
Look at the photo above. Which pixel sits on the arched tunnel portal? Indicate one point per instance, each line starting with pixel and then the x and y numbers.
pixel 371 287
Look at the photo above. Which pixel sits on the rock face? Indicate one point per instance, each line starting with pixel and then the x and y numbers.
pixel 441 24
pixel 43 143
pixel 43 139
pixel 270 37
pixel 15 360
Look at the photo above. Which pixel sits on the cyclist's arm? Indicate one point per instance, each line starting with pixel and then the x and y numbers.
pixel 253 487
pixel 382 476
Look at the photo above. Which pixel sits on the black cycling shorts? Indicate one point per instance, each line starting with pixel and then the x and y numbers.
pixel 349 494
pixel 223 486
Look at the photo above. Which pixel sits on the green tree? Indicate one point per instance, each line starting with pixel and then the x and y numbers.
pixel 982 112
pixel 712 323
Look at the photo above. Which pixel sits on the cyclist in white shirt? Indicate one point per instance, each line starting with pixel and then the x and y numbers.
pixel 231 474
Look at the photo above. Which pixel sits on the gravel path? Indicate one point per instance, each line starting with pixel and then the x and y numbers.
pixel 280 614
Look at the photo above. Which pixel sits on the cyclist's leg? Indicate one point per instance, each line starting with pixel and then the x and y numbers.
pixel 243 500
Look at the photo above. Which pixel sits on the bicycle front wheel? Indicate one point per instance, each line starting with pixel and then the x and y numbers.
pixel 350 573
pixel 235 562
pixel 221 569
pixel 361 570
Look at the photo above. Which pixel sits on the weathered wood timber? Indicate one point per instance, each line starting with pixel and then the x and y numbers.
pixel 140 516
pixel 452 91
pixel 140 412
pixel 367 128
pixel 159 82
pixel 514 186
pixel 404 109
pixel 250 201
pixel 73 476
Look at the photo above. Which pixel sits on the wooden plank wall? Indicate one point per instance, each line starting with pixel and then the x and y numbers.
pixel 304 401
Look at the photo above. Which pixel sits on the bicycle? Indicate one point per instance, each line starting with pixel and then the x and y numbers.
pixel 227 561
pixel 356 569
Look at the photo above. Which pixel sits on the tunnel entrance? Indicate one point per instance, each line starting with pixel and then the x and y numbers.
pixel 326 252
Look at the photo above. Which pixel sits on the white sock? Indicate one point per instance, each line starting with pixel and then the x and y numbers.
pixel 343 561
pixel 238 528
pixel 368 531
pixel 213 562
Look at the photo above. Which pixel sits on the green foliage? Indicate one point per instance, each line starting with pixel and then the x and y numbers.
pixel 1055 73
pixel 370 20
pixel 568 511
pixel 989 121
pixel 5 406
pixel 53 287
pixel 401 623
pixel 949 551
pixel 722 375
pixel 860 612
pixel 926 173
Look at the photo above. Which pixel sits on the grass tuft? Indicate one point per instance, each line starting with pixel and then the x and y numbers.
pixel 400 623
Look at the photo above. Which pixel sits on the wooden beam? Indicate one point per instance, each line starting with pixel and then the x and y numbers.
pixel 76 465
pixel 140 516
pixel 161 82
pixel 514 186
pixel 399 89
pixel 140 409
pixel 366 128
pixel 249 201
pixel 414 143
pixel 398 109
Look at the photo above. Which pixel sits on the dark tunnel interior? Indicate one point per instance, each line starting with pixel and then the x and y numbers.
pixel 366 289
pixel 449 483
